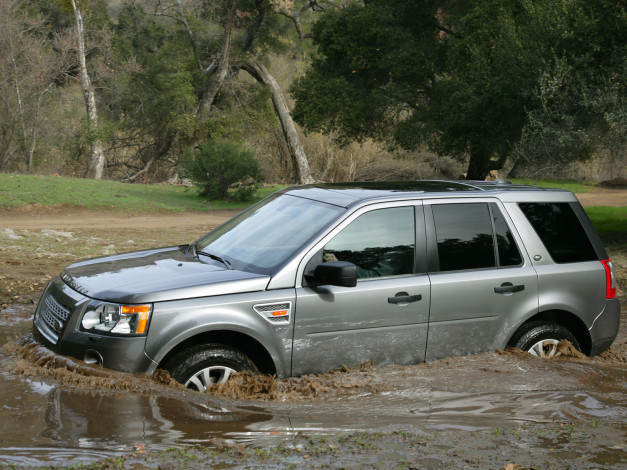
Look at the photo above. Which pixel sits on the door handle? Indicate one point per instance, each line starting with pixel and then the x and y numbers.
pixel 404 298
pixel 508 288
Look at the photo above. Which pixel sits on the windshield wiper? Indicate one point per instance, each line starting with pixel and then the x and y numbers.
pixel 212 256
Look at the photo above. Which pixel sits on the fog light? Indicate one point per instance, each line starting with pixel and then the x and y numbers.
pixel 92 357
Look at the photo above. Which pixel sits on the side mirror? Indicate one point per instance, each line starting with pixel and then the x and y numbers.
pixel 336 273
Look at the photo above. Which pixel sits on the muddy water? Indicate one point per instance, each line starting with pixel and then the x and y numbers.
pixel 58 411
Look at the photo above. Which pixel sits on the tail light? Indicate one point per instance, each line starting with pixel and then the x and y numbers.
pixel 610 279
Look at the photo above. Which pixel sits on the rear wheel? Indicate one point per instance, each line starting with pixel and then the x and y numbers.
pixel 541 338
pixel 202 366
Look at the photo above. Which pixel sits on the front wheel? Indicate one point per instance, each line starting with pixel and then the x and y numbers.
pixel 202 366
pixel 541 338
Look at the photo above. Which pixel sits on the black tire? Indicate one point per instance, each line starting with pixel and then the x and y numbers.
pixel 204 365
pixel 540 338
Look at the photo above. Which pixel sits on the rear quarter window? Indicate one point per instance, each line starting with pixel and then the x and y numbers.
pixel 560 230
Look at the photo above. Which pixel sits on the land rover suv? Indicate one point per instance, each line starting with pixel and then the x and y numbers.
pixel 320 276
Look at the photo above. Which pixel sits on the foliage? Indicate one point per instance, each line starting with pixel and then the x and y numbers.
pixel 374 62
pixel 540 82
pixel 216 166
pixel 581 98
pixel 468 79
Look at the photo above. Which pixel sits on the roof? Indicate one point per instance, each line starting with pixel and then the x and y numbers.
pixel 347 194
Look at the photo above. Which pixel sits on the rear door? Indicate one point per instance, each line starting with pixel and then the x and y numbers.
pixel 384 318
pixel 482 281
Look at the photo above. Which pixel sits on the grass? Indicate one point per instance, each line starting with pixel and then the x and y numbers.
pixel 572 186
pixel 22 190
pixel 608 219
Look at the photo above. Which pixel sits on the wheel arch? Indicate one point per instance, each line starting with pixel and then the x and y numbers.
pixel 235 339
pixel 566 319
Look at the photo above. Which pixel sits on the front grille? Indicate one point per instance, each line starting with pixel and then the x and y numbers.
pixel 52 318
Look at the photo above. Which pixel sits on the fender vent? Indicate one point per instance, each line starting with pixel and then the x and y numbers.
pixel 276 313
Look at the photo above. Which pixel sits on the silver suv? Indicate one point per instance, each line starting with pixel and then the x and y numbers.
pixel 316 277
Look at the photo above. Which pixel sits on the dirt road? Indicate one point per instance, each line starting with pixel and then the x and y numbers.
pixel 38 217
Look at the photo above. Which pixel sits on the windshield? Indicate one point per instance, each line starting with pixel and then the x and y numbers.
pixel 263 237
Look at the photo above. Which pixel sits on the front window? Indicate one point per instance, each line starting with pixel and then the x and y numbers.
pixel 264 237
pixel 380 243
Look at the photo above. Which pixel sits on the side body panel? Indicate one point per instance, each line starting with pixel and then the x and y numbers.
pixel 467 315
pixel 336 326
pixel 176 321
pixel 578 287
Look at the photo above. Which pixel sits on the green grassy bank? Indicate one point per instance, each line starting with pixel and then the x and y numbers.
pixel 23 190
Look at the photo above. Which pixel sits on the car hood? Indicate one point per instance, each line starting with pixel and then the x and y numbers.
pixel 156 276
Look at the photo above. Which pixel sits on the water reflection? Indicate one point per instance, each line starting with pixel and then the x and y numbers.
pixel 57 424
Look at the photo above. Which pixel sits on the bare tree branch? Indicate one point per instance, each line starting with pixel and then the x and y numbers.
pixel 261 74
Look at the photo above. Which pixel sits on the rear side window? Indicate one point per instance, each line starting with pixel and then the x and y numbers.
pixel 467 235
pixel 560 230
pixel 464 236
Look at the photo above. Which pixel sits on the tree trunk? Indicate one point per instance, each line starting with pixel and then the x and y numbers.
pixel 97 161
pixel 301 164
pixel 481 162
pixel 216 75
pixel 18 95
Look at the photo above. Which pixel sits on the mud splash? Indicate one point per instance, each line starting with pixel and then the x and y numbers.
pixel 343 381
pixel 564 350
pixel 30 359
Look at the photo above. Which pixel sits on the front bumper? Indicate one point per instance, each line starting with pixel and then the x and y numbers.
pixel 56 326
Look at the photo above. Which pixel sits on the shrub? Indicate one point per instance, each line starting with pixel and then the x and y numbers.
pixel 222 170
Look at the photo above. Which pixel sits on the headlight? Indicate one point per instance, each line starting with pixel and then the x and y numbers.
pixel 101 317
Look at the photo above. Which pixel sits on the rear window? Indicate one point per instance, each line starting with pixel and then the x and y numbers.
pixel 560 230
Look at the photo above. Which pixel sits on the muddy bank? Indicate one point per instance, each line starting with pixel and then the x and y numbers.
pixel 554 445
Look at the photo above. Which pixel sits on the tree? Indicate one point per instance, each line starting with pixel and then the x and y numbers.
pixel 261 74
pixel 460 77
pixel 97 161
pixel 151 100
pixel 223 61
pixel 30 72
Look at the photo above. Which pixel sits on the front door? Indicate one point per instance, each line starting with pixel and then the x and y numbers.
pixel 384 318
